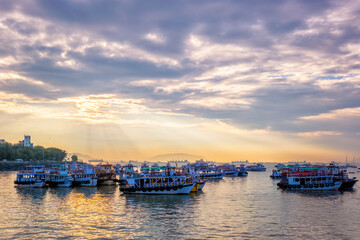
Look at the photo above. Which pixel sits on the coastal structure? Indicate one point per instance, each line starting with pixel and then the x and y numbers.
pixel 26 142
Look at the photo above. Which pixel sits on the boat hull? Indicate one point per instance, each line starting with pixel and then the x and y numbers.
pixel 215 176
pixel 86 182
pixel 311 187
pixel 37 184
pixel 107 182
pixel 242 174
pixel 347 185
pixel 185 189
pixel 201 185
pixel 65 183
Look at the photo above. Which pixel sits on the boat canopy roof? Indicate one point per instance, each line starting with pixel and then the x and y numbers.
pixel 157 168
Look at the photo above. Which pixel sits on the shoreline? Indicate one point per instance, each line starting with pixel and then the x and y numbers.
pixel 16 166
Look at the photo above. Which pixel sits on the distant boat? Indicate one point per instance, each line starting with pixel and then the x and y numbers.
pixel 256 168
pixel 96 160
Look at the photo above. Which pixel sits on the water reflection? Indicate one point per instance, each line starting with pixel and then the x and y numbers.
pixel 107 190
pixel 313 193
pixel 161 214
pixel 88 192
pixel 60 192
pixel 248 208
pixel 32 193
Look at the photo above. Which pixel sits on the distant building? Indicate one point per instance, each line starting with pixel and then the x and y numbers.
pixel 2 141
pixel 26 142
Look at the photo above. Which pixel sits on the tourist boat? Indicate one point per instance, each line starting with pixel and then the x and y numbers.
pixel 59 177
pixel 309 180
pixel 32 177
pixel 341 174
pixel 202 184
pixel 84 175
pixel 106 174
pixel 159 181
pixel 230 170
pixel 256 168
pixel 276 174
pixel 242 170
pixel 211 175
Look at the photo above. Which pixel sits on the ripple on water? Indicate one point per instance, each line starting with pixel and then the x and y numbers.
pixel 234 208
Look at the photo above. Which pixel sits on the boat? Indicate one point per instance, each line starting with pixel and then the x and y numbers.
pixel 242 171
pixel 276 174
pixel 59 177
pixel 341 174
pixel 256 167
pixel 31 177
pixel 230 170
pixel 309 180
pixel 106 174
pixel 83 175
pixel 202 184
pixel 158 181
pixel 211 175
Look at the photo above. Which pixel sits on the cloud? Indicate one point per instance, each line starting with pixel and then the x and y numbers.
pixel 319 133
pixel 289 67
pixel 336 114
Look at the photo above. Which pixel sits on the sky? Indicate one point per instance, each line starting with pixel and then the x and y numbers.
pixel 228 80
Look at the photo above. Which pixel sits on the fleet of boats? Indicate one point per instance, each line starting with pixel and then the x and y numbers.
pixel 190 177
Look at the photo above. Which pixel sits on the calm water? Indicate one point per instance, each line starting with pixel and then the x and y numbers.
pixel 234 208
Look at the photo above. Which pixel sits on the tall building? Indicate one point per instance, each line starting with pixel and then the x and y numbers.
pixel 26 142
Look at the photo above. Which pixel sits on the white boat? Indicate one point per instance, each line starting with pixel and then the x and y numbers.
pixel 230 170
pixel 242 171
pixel 276 174
pixel 84 175
pixel 31 177
pixel 202 184
pixel 212 175
pixel 256 168
pixel 314 180
pixel 159 181
pixel 59 177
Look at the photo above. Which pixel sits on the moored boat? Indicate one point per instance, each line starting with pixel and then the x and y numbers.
pixel 159 181
pixel 229 170
pixel 84 175
pixel 259 167
pixel 202 184
pixel 312 180
pixel 275 174
pixel 59 177
pixel 32 177
pixel 211 175
pixel 106 174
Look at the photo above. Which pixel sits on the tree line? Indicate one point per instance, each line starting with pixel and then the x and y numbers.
pixel 11 152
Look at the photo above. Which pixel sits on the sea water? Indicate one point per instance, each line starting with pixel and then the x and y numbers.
pixel 249 207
